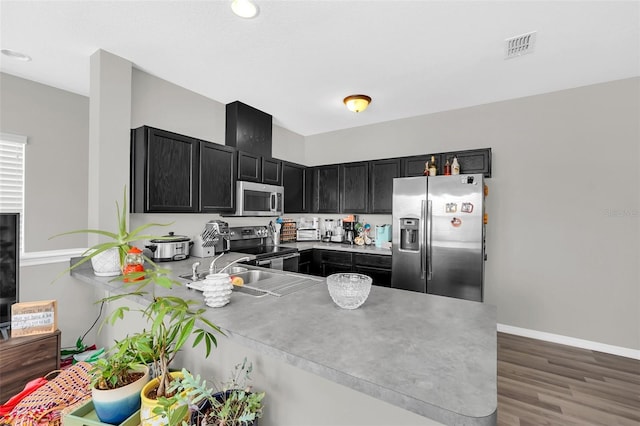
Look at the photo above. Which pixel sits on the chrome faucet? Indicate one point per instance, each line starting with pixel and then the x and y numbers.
pixel 194 271
pixel 242 259
pixel 212 267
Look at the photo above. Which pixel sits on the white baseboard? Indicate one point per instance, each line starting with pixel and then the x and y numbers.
pixel 570 341
pixel 52 256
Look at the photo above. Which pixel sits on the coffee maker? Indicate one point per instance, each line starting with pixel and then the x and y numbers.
pixel 349 232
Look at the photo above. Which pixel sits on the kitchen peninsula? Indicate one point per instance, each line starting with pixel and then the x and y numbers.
pixel 427 360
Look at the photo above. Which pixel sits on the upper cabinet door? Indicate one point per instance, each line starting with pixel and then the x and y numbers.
pixel 326 189
pixel 271 173
pixel 249 166
pixel 354 185
pixel 381 175
pixel 165 175
pixel 473 161
pixel 217 183
pixel 297 186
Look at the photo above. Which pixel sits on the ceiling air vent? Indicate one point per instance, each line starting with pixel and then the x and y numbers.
pixel 519 45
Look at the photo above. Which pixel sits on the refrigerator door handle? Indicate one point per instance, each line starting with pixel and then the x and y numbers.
pixel 423 215
pixel 429 236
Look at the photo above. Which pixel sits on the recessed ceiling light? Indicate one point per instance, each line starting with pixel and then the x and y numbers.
pixel 16 55
pixel 244 8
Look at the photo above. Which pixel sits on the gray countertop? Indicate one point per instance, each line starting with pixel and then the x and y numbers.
pixel 307 245
pixel 432 355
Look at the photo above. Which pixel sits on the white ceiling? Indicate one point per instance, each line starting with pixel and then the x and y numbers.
pixel 298 59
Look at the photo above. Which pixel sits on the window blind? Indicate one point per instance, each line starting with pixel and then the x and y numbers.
pixel 12 162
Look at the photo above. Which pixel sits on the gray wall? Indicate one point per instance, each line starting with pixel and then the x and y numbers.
pixel 56 123
pixel 563 205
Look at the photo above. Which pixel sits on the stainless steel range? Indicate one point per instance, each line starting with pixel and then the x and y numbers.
pixel 254 240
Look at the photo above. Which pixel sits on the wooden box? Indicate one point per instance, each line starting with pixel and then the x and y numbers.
pixel 29 318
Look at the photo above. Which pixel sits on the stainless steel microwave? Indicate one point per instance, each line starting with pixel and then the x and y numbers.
pixel 258 199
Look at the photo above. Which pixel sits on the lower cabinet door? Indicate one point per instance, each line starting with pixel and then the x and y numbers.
pixel 381 277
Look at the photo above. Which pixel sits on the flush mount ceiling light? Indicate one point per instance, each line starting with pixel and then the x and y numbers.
pixel 244 8
pixel 16 55
pixel 357 103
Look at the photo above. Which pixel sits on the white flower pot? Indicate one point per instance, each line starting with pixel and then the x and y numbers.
pixel 116 405
pixel 107 263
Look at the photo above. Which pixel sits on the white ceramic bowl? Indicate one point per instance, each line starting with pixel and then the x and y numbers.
pixel 349 290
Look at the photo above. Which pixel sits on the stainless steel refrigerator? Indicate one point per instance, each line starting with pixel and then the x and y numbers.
pixel 439 235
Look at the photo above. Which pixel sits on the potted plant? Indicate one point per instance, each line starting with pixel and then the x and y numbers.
pixel 172 322
pixel 107 258
pixel 234 404
pixel 118 379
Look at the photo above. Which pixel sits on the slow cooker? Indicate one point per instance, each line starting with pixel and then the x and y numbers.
pixel 170 247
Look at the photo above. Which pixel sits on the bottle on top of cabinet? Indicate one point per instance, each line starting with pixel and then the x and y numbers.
pixel 447 168
pixel 433 168
pixel 426 169
pixel 455 167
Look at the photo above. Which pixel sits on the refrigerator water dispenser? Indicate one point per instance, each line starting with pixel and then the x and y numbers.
pixel 409 236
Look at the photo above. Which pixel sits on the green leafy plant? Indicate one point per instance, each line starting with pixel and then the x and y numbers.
pixel 172 321
pixel 121 239
pixel 121 365
pixel 232 405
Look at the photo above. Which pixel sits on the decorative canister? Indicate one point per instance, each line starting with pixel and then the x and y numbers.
pixel 217 289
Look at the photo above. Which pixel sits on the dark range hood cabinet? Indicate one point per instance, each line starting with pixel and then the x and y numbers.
pixel 248 129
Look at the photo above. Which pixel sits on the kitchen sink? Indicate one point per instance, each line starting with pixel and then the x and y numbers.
pixel 254 276
pixel 258 282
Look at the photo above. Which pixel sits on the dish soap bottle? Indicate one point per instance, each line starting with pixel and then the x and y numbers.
pixel 433 169
pixel 455 167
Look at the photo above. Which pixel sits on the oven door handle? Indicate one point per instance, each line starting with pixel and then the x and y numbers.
pixel 263 262
pixel 291 256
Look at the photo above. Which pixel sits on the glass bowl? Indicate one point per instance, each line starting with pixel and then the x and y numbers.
pixel 349 290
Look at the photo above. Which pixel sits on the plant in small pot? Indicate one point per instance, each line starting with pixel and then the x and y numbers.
pixel 107 258
pixel 118 379
pixel 233 405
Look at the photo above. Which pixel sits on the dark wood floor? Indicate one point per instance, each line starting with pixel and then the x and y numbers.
pixel 541 383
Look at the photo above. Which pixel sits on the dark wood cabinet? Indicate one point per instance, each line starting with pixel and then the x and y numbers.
pixel 172 173
pixel 296 180
pixel 326 189
pixel 248 129
pixel 256 168
pixel 378 267
pixel 271 173
pixel 27 358
pixel 354 187
pixel 249 166
pixel 414 165
pixel 165 172
pixel 327 262
pixel 381 175
pixel 305 262
pixel 473 161
pixel 217 183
